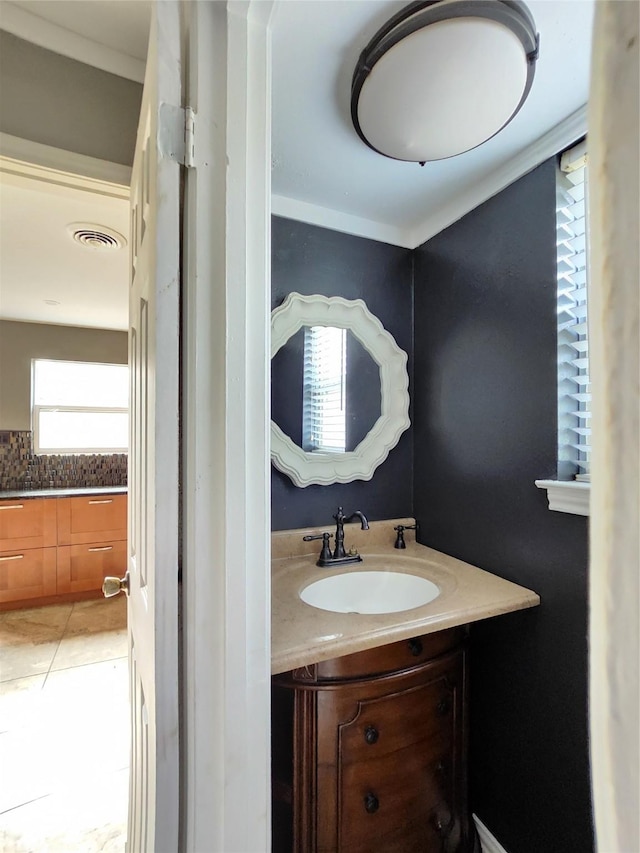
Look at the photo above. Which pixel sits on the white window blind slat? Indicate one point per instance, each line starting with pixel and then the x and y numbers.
pixel 324 397
pixel 574 387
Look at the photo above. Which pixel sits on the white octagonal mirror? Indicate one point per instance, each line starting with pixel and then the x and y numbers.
pixel 329 329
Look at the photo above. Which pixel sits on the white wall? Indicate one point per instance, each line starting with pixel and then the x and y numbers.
pixel 56 101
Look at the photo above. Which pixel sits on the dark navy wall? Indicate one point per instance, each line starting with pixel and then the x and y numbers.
pixel 310 260
pixel 484 401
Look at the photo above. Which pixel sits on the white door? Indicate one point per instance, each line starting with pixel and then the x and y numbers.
pixel 154 317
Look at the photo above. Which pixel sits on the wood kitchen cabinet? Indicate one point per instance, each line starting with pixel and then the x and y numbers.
pixel 60 548
pixel 369 751
pixel 27 549
pixel 91 519
pixel 83 567
pixel 26 524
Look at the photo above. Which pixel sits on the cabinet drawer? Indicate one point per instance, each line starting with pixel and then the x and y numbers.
pixel 27 523
pixel 421 717
pixel 98 518
pixel 397 803
pixel 27 573
pixel 390 658
pixel 82 568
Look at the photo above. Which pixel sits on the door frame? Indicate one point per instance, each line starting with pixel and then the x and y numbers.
pixel 226 561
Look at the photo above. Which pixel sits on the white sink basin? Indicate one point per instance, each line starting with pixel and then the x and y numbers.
pixel 370 592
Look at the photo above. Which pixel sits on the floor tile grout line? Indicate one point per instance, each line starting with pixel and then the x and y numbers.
pixel 88 663
pixel 113 773
pixel 27 803
pixel 66 625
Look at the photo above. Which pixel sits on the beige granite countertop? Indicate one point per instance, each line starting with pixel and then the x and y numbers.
pixel 302 634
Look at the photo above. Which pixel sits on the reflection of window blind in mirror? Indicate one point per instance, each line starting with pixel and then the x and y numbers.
pixel 324 395
pixel 574 389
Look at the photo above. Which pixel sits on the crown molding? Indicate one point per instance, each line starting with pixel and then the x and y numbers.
pixel 552 142
pixel 325 217
pixel 25 158
pixel 25 25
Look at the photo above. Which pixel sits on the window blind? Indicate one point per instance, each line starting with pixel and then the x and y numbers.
pixel 324 398
pixel 574 388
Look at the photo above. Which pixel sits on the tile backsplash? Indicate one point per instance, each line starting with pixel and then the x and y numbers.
pixel 21 469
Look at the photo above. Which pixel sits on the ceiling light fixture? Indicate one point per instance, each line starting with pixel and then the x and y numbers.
pixel 443 76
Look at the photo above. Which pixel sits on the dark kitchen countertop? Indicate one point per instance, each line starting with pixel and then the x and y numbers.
pixel 76 491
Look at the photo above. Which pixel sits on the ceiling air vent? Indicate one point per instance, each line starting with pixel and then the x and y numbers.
pixel 96 236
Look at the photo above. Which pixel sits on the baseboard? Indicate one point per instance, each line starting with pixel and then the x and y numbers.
pixel 488 842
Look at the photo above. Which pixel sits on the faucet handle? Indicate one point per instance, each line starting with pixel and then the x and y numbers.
pixel 400 529
pixel 325 553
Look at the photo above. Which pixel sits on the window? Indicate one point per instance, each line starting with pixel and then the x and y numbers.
pixel 80 407
pixel 574 389
pixel 570 492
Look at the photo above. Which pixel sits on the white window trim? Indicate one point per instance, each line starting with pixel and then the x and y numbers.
pixel 571 496
pixel 69 451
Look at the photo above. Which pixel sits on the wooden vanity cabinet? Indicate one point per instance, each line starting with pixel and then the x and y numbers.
pixel 369 751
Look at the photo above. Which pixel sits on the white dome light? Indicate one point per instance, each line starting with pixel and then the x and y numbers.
pixel 443 78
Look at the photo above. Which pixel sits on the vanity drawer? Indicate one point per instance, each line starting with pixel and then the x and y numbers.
pixel 89 519
pixel 27 523
pixel 420 717
pixel 390 658
pixel 396 804
pixel 82 568
pixel 27 573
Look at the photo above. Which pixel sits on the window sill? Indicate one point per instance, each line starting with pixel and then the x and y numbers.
pixel 567 496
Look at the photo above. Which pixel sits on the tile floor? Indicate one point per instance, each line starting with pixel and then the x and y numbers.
pixel 64 728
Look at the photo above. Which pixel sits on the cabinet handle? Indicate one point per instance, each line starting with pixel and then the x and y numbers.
pixel 109 501
pixel 371 734
pixel 12 506
pixel 415 647
pixel 438 825
pixel 443 707
pixel 104 548
pixel 442 822
pixel 16 557
pixel 371 803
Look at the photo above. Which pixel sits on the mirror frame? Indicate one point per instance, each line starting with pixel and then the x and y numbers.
pixel 324 469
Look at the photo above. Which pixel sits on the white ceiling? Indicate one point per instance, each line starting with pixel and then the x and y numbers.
pixel 322 172
pixel 40 261
pixel 317 157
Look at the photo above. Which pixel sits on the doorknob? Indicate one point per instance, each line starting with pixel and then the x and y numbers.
pixel 112 586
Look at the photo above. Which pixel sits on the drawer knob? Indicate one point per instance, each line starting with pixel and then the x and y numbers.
pixel 415 647
pixel 371 734
pixel 442 821
pixel 443 707
pixel 371 803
